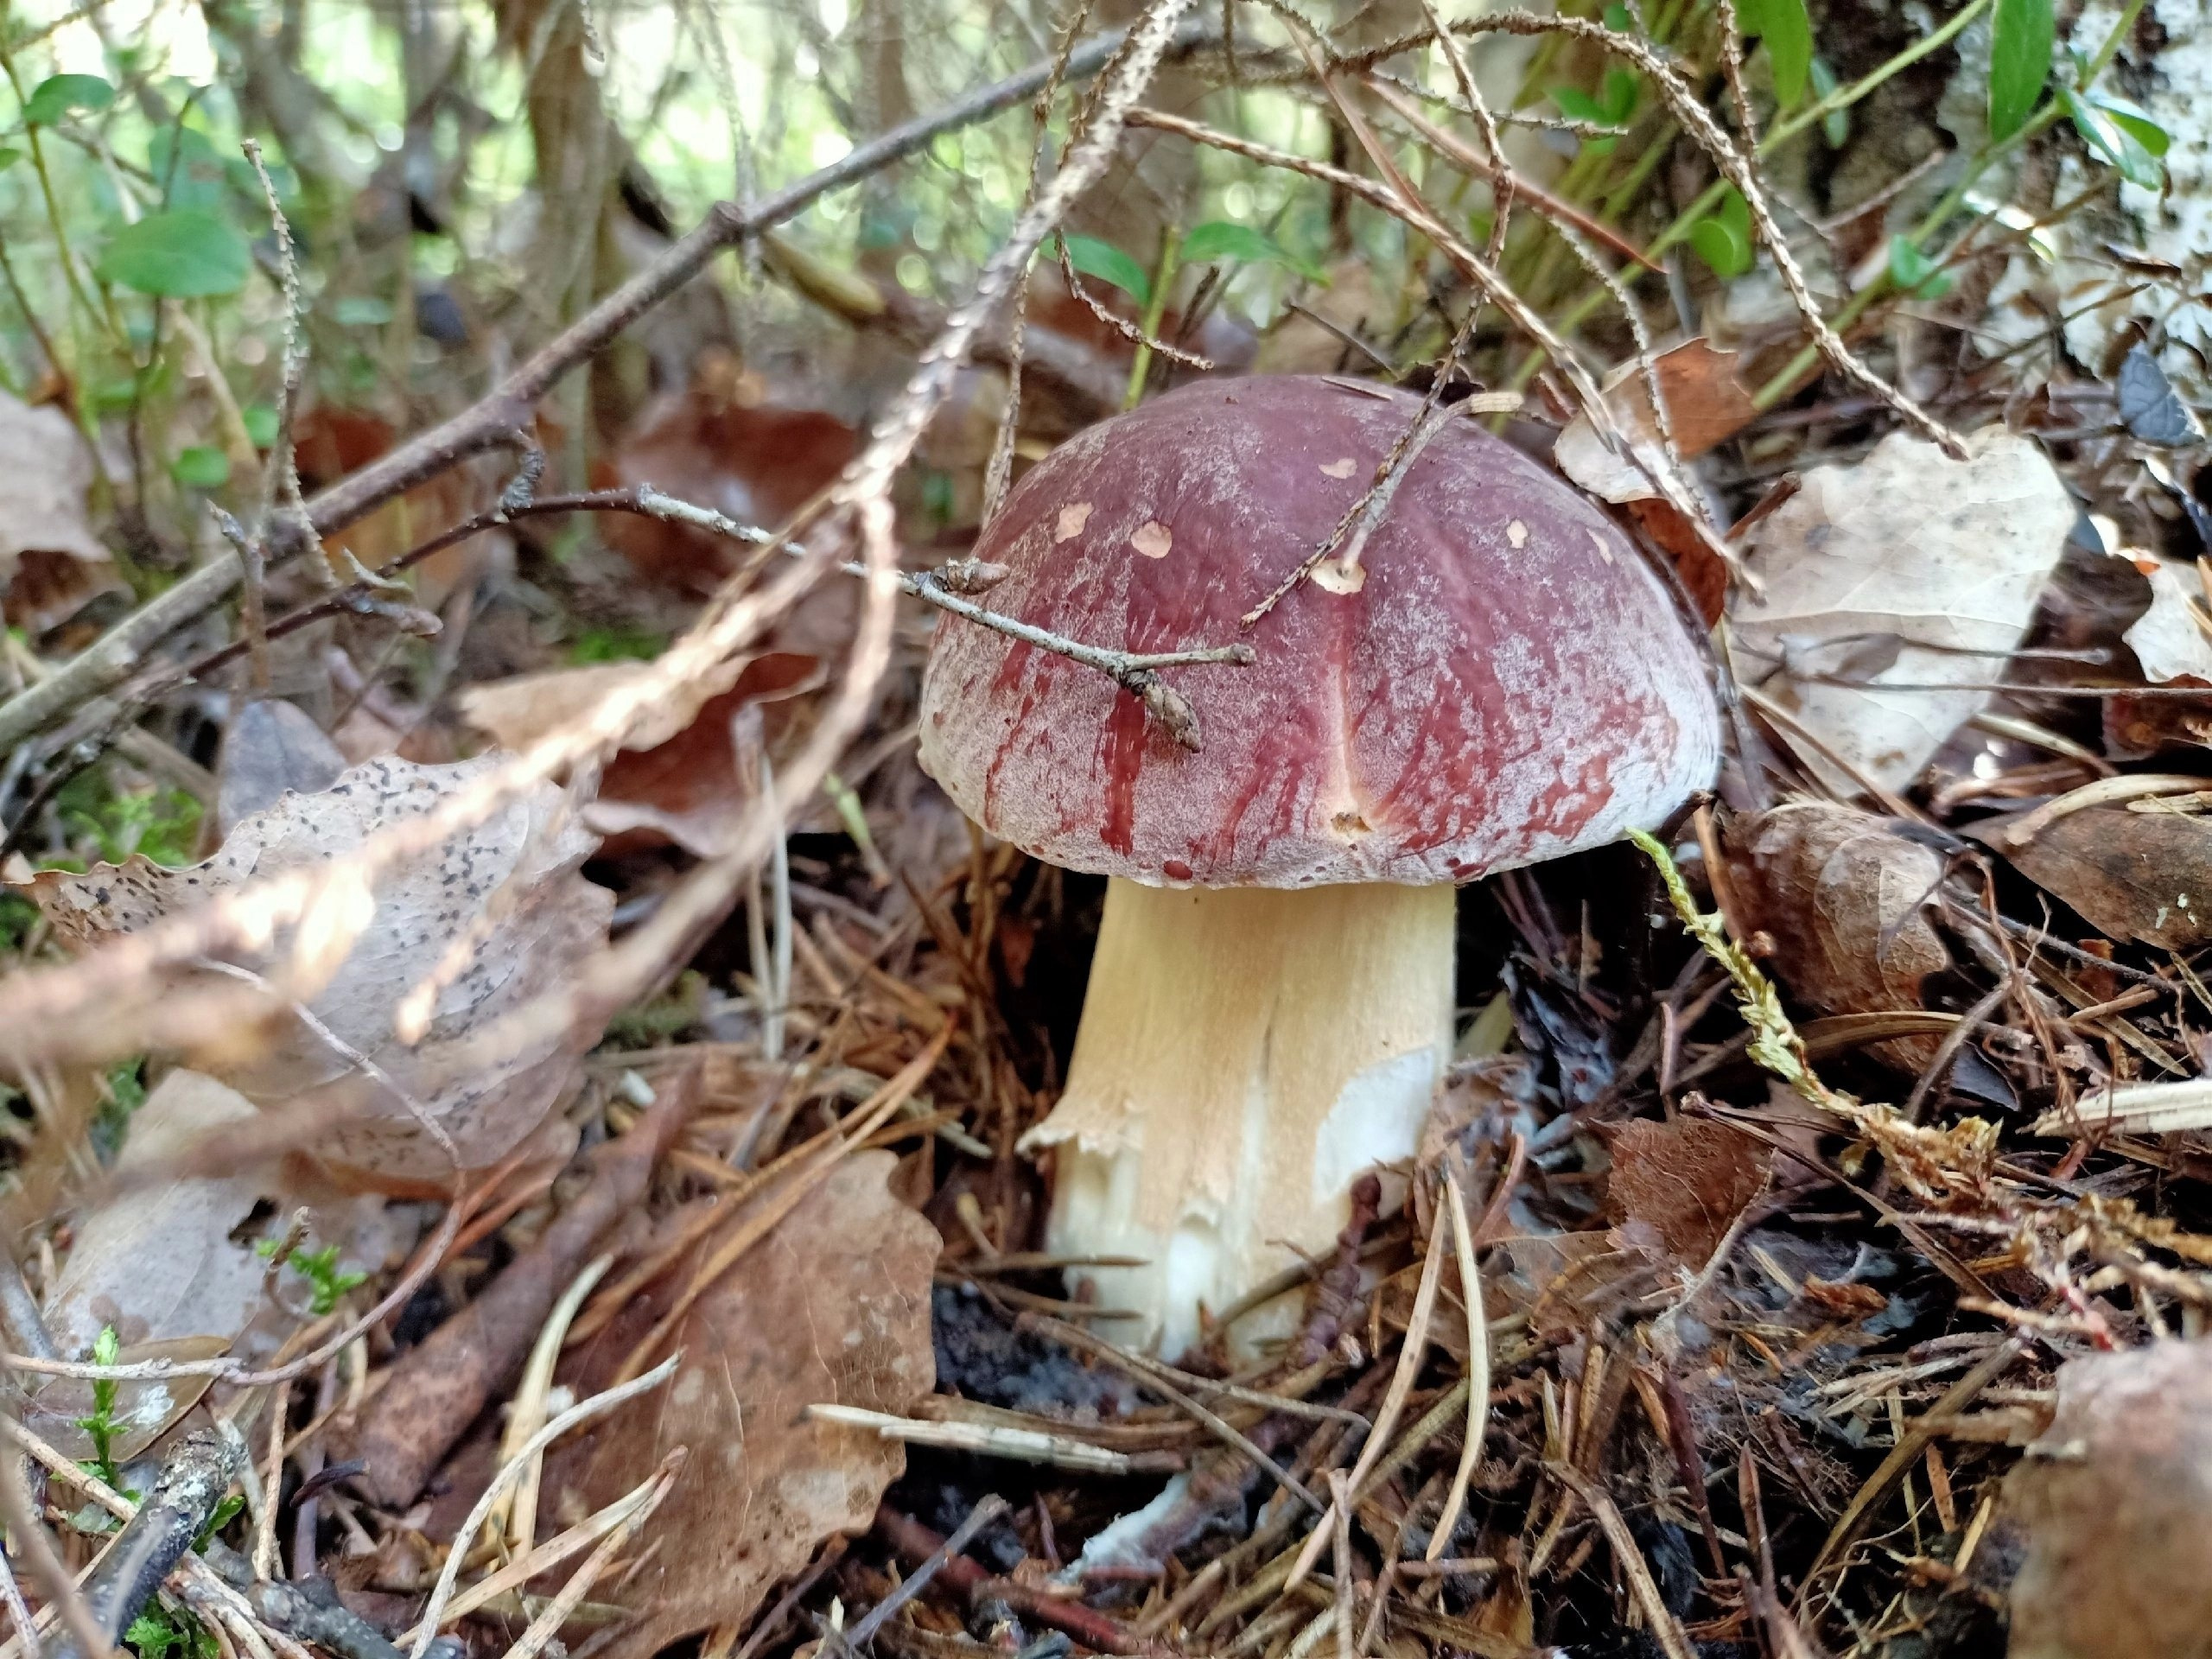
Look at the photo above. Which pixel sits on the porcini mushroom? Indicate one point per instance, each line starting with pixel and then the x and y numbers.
pixel 1498 678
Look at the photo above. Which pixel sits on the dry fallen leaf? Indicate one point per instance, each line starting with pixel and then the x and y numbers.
pixel 1685 1180
pixel 2140 876
pixel 2168 639
pixel 2116 1498
pixel 50 561
pixel 270 747
pixel 1706 404
pixel 682 780
pixel 832 1306
pixel 1907 569
pixel 166 1264
pixel 512 885
pixel 1841 894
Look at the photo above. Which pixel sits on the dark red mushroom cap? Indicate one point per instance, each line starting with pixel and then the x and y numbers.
pixel 1510 683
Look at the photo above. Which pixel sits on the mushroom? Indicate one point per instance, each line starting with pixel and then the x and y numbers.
pixel 1498 678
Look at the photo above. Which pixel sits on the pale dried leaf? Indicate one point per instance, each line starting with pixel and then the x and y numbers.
pixel 2166 638
pixel 833 1306
pixel 50 561
pixel 519 866
pixel 160 1263
pixel 1947 557
pixel 2115 1499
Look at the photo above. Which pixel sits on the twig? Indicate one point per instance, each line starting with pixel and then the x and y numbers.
pixel 509 408
pixel 194 1478
pixel 989 1509
pixel 1402 1387
pixel 547 1623
pixel 1074 1337
pixel 264 1530
pixel 582 1412
pixel 1665 1627
pixel 1470 1292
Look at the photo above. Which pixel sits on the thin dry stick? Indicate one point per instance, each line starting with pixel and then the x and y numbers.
pixel 265 1530
pixel 988 1509
pixel 1503 183
pixel 1218 1426
pixel 1665 1627
pixel 434 1616
pixel 18 1613
pixel 544 1557
pixel 1470 1292
pixel 1340 1497
pixel 547 1624
pixel 529 1411
pixel 1394 1401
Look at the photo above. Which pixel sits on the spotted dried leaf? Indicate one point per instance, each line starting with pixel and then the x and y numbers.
pixel 833 1306
pixel 2115 1500
pixel 1842 897
pixel 511 884
pixel 682 780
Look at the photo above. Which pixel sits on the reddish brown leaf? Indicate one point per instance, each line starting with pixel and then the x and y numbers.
pixel 1839 892
pixel 833 1306
pixel 683 781
pixel 2140 876
pixel 1685 1181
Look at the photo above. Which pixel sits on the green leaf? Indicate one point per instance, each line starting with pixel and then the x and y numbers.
pixel 2112 142
pixel 1835 125
pixel 260 424
pixel 8 157
pixel 360 311
pixel 1915 272
pixel 1578 106
pixel 1109 263
pixel 202 466
pixel 1788 33
pixel 2134 120
pixel 181 254
pixel 1221 238
pixel 57 95
pixel 2021 40
pixel 1724 239
pixel 1620 19
pixel 1619 95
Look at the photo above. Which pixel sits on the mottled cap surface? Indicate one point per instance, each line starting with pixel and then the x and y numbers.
pixel 1507 682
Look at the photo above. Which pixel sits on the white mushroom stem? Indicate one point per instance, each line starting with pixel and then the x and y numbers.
pixel 1245 1055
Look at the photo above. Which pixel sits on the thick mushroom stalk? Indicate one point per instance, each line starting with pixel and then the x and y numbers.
pixel 1499 679
pixel 1245 1055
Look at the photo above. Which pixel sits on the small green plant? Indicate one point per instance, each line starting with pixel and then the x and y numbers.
pixel 1723 239
pixel 162 824
pixel 617 645
pixel 157 1633
pixel 123 1091
pixel 319 1268
pixel 1617 95
pixel 1915 273
pixel 101 1425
